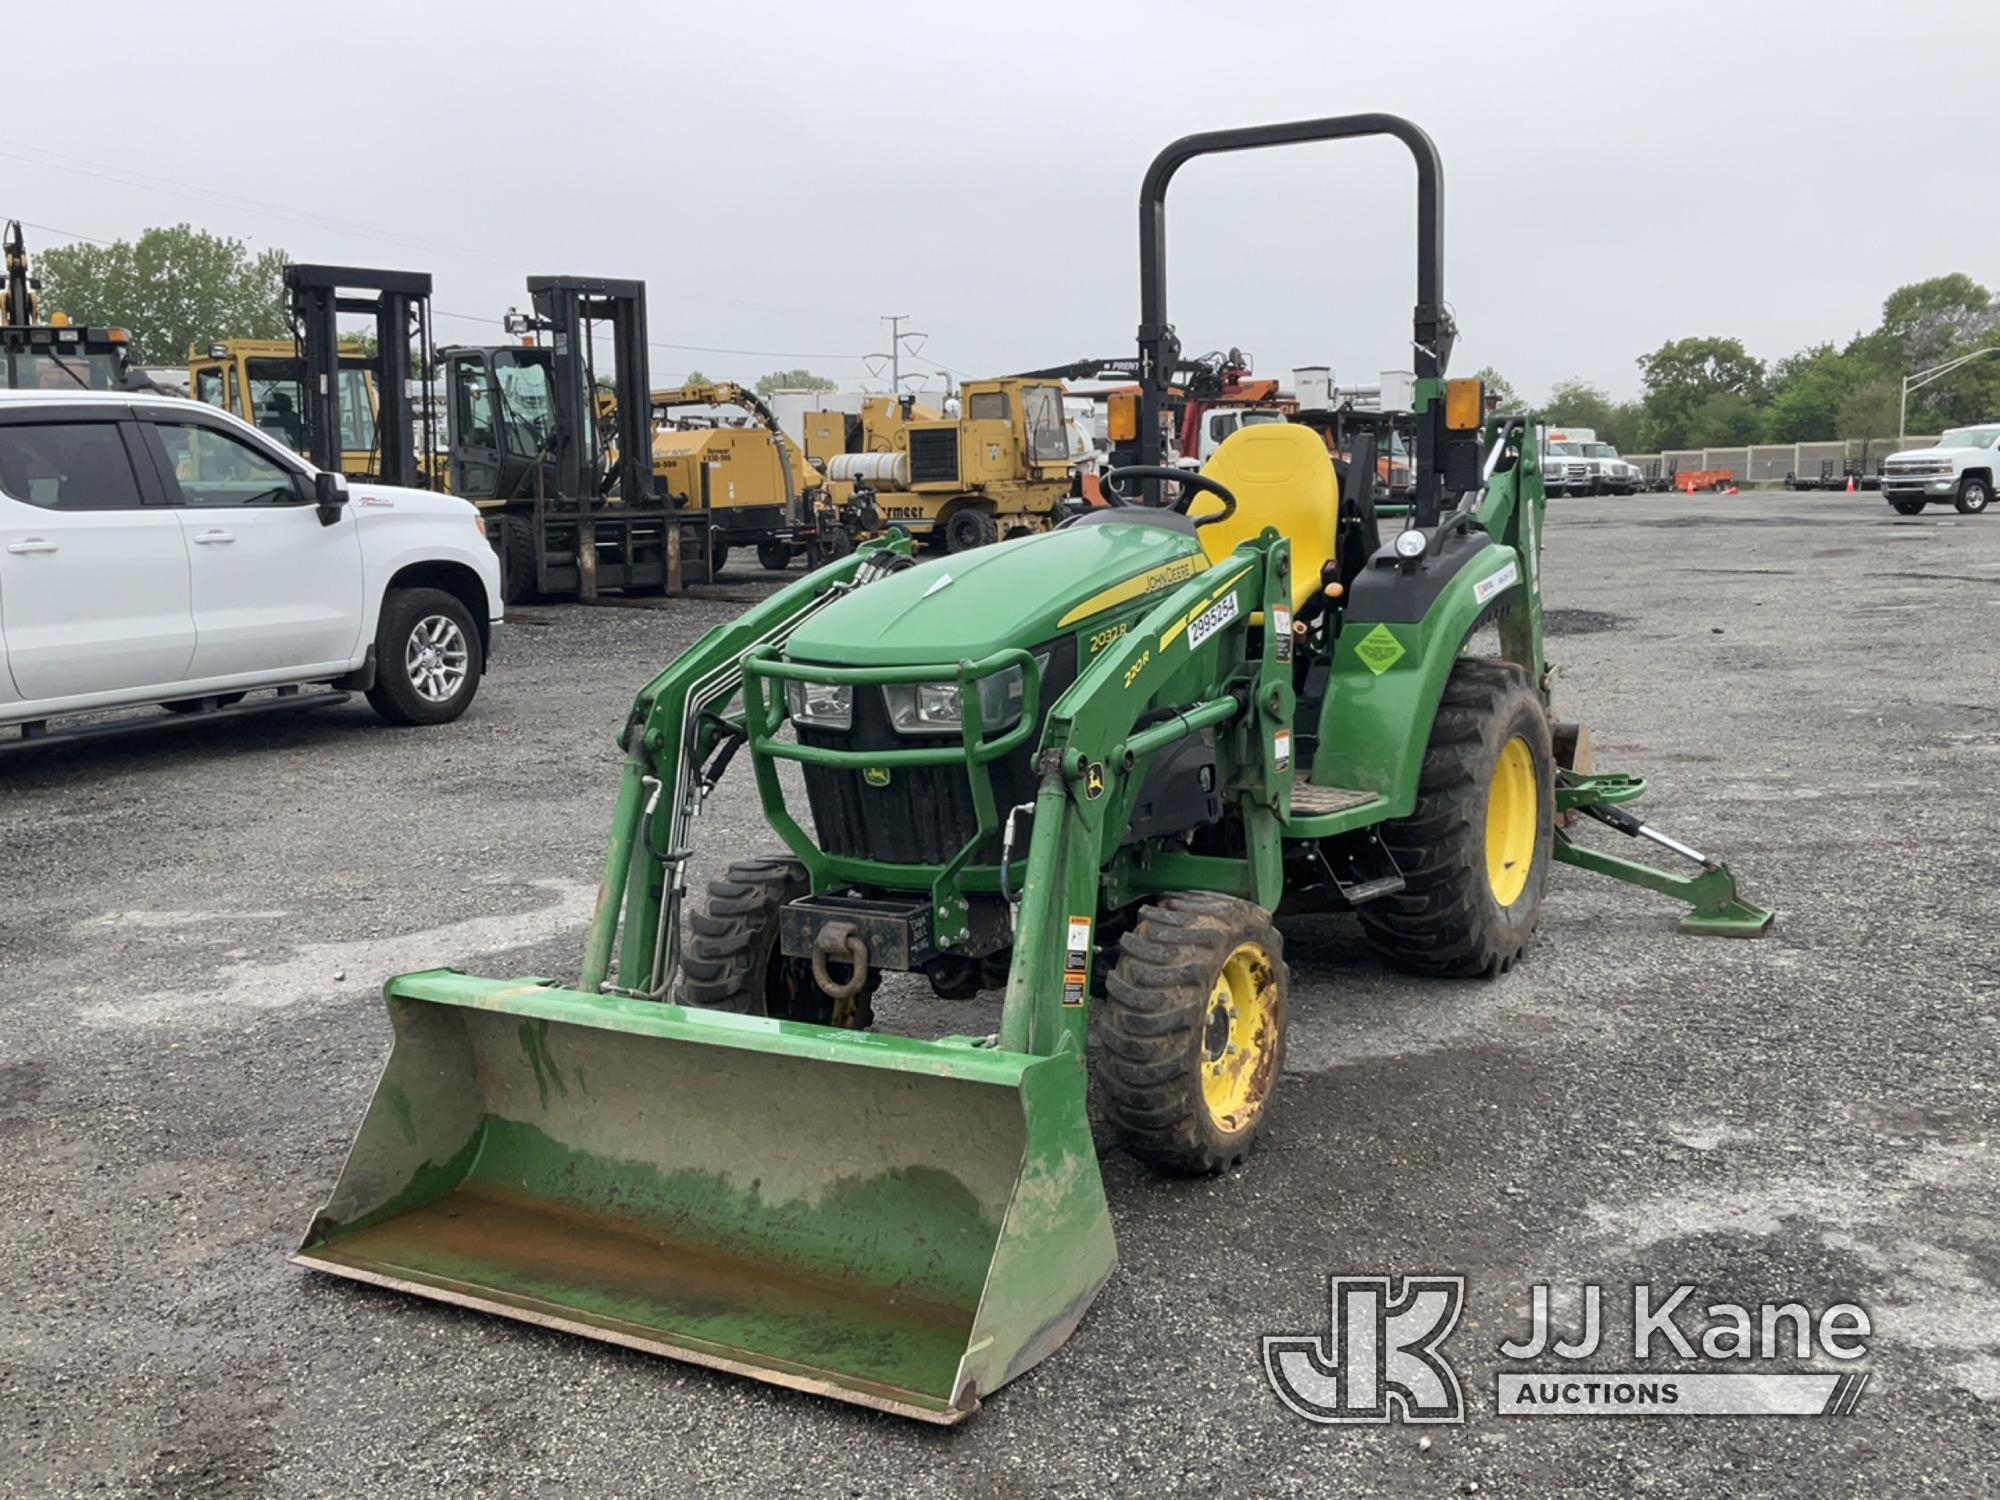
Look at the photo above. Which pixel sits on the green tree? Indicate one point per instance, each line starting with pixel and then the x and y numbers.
pixel 1806 390
pixel 174 288
pixel 1680 378
pixel 1577 403
pixel 1929 321
pixel 1869 411
pixel 368 344
pixel 696 377
pixel 794 380
pixel 1725 419
pixel 1500 394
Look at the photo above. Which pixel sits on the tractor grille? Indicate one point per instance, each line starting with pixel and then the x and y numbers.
pixel 934 455
pixel 925 814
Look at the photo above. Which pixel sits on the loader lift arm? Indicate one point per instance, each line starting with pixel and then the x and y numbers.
pixel 677 724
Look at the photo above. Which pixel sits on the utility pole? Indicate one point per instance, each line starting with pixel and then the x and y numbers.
pixel 895 354
pixel 1918 379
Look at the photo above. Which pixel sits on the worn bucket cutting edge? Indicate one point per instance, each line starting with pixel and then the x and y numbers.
pixel 902 1224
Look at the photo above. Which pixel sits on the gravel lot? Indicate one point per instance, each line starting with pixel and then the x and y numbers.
pixel 196 925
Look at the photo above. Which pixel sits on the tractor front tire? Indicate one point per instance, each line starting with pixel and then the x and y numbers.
pixel 970 528
pixel 1475 851
pixel 1191 1039
pixel 730 959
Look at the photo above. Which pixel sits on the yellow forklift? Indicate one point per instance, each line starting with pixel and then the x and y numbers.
pixel 263 381
pixel 538 436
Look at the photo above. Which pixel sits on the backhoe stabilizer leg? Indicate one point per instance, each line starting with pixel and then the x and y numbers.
pixel 1717 909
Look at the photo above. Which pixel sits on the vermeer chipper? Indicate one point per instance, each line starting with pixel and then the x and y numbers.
pixel 1090 767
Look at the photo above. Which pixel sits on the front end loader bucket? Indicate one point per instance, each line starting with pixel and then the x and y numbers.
pixel 903 1224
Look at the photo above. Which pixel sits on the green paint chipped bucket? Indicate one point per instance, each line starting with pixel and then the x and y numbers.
pixel 903 1224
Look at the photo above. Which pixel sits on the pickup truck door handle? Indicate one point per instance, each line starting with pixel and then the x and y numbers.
pixel 32 544
pixel 205 538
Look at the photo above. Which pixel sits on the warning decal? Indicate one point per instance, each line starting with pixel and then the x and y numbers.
pixel 1379 650
pixel 1076 962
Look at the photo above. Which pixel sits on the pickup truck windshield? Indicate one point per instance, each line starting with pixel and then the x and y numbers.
pixel 1601 450
pixel 1969 437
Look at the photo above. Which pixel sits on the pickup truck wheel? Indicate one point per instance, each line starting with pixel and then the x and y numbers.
pixel 1974 495
pixel 427 658
pixel 1908 507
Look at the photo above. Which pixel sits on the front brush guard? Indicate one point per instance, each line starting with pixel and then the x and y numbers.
pixel 1718 911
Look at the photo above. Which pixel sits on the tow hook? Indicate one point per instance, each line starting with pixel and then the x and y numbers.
pixel 839 942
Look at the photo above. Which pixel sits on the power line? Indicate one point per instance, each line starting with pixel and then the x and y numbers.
pixel 686 348
pixel 129 177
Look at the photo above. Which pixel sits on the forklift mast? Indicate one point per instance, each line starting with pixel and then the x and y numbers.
pixel 400 304
pixel 567 308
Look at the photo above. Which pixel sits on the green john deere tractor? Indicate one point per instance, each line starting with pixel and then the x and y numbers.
pixel 1093 768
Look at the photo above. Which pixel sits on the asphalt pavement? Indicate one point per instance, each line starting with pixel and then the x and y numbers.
pixel 196 924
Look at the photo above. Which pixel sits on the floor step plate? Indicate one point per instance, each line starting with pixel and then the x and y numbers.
pixel 1312 801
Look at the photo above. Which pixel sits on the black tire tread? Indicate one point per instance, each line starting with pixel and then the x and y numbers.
pixel 392 696
pixel 1443 922
pixel 1149 1032
pixel 731 944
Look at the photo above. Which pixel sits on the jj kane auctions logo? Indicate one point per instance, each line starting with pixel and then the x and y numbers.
pixel 1382 1357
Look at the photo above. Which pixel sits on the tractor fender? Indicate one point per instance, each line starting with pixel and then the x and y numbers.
pixel 1389 675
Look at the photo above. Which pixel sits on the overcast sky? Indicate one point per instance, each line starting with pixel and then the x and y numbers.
pixel 781 174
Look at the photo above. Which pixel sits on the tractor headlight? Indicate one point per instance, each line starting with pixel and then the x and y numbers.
pixel 822 705
pixel 934 707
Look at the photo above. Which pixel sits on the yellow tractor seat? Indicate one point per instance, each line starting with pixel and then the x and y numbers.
pixel 1282 476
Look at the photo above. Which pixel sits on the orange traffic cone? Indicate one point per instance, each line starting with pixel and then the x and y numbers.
pixel 1732 490
pixel 1850 484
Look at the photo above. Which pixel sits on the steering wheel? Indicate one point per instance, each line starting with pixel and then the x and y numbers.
pixel 1189 480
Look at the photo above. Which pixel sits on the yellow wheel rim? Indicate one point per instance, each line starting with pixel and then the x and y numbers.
pixel 1513 821
pixel 1240 1038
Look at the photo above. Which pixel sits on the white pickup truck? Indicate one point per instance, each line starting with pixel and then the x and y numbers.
pixel 158 551
pixel 1960 468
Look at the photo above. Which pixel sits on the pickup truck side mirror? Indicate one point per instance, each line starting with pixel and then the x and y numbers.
pixel 330 493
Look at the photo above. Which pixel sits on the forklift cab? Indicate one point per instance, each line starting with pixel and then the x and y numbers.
pixel 501 421
pixel 263 381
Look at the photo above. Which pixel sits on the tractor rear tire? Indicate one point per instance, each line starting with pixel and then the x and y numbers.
pixel 730 959
pixel 1974 495
pixel 968 529
pixel 1485 807
pixel 1191 1038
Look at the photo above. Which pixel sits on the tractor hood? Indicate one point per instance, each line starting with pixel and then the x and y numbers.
pixel 1018 593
